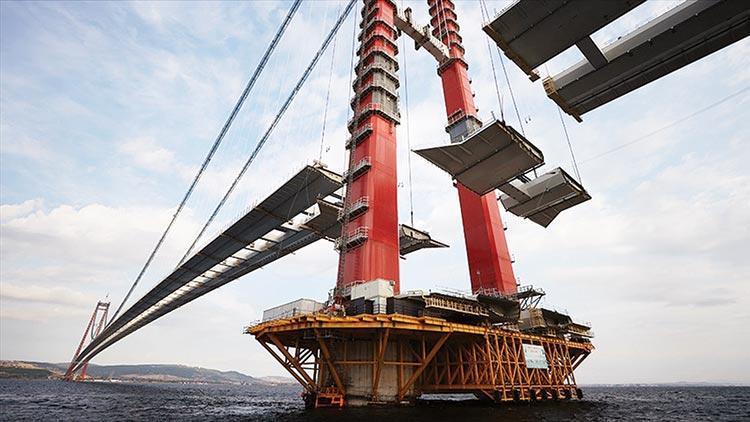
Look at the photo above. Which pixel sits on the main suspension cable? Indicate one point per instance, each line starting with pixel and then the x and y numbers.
pixel 214 147
pixel 276 120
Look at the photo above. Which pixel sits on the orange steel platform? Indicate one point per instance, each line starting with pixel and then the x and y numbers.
pixel 369 359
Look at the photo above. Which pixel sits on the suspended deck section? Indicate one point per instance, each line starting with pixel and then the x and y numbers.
pixel 487 158
pixel 542 199
pixel 327 223
pixel 266 232
pixel 496 156
pixel 687 33
pixel 532 32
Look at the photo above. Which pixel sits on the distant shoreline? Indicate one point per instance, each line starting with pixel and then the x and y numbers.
pixel 181 374
pixel 145 373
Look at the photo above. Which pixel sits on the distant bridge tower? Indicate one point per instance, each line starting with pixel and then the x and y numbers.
pixel 92 330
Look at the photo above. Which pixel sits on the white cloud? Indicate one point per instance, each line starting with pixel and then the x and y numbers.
pixel 146 153
pixel 11 211
pixel 49 295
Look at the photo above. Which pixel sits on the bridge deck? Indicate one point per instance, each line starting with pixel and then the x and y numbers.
pixel 686 33
pixel 531 33
pixel 262 235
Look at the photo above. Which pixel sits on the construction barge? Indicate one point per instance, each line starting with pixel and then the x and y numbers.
pixel 370 344
pixel 445 344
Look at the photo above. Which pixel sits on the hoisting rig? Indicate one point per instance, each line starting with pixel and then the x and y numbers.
pixel 371 344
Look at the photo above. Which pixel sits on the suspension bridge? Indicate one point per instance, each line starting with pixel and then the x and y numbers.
pixel 368 342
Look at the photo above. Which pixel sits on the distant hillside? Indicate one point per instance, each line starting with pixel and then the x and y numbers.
pixel 153 373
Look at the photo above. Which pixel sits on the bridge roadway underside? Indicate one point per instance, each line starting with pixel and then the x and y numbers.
pixel 262 235
pixel 531 33
pixel 689 32
pixel 395 358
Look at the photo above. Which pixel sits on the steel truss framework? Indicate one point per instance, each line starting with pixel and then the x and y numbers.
pixel 402 357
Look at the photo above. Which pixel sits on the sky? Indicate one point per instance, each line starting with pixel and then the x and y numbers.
pixel 108 109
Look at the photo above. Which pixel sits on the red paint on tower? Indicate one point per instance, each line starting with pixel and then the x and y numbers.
pixel 486 248
pixel 369 247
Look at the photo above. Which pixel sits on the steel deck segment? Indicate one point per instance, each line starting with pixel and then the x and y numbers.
pixel 546 196
pixel 532 32
pixel 293 243
pixel 327 224
pixel 295 196
pixel 412 240
pixel 545 217
pixel 486 159
pixel 326 221
pixel 684 34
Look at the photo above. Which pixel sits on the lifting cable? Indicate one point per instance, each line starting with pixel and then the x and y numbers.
pixel 512 97
pixel 214 147
pixel 570 147
pixel 485 15
pixel 408 137
pixel 507 79
pixel 567 138
pixel 328 96
pixel 276 120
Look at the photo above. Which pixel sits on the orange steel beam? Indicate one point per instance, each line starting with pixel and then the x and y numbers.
pixel 307 386
pixel 329 363
pixel 398 322
pixel 421 368
pixel 290 358
pixel 483 361
pixel 379 362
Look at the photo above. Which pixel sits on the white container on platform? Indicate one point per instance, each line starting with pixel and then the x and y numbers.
pixel 372 289
pixel 287 310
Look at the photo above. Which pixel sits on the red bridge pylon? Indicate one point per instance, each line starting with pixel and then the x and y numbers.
pixel 92 330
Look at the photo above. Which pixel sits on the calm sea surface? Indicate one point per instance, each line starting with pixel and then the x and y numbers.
pixel 57 400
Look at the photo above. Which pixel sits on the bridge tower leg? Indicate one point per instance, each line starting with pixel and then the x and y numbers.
pixel 368 247
pixel 92 329
pixel 486 248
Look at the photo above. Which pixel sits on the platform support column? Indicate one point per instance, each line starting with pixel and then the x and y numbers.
pixel 486 248
pixel 368 247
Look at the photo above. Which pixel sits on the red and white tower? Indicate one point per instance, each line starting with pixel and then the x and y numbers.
pixel 369 245
pixel 369 248
pixel 486 248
